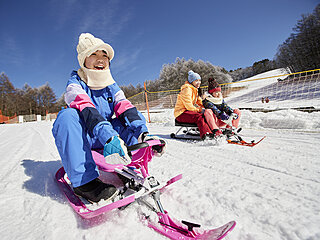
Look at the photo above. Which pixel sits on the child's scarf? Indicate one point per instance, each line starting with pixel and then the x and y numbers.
pixel 96 79
pixel 214 100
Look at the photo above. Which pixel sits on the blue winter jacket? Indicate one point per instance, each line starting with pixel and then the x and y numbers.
pixel 98 107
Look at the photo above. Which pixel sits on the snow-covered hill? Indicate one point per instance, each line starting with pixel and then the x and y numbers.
pixel 271 190
pixel 282 94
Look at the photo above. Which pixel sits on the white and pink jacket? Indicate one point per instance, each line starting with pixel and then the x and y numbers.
pixel 98 107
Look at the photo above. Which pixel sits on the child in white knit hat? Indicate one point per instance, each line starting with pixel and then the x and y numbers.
pixel 93 98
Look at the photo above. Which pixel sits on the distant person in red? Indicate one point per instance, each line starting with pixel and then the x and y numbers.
pixel 267 100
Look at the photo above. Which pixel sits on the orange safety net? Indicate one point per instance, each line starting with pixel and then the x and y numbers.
pixel 6 119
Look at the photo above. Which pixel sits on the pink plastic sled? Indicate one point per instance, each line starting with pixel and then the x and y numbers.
pixel 138 185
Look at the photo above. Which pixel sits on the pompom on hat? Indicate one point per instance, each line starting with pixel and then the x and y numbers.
pixel 192 76
pixel 89 44
pixel 213 86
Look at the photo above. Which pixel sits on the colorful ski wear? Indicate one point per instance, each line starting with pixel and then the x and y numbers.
pixel 198 118
pixel 89 122
pixel 217 109
pixel 187 99
pixel 186 111
pixel 214 120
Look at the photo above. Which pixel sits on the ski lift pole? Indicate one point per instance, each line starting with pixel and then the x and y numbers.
pixel 145 92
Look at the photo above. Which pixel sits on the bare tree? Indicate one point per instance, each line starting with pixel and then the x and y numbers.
pixel 301 50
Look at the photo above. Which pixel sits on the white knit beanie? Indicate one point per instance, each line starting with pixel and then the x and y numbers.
pixel 89 44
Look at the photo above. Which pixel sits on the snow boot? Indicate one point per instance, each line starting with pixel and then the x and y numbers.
pixel 216 133
pixel 207 136
pixel 227 132
pixel 96 190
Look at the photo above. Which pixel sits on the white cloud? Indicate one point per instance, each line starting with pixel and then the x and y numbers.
pixel 62 12
pixel 107 18
pixel 10 51
pixel 126 60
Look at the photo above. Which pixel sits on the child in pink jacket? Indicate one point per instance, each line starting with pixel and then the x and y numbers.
pixel 222 114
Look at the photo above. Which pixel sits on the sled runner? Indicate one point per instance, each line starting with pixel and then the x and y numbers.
pixel 138 186
pixel 244 143
pixel 233 137
pixel 190 131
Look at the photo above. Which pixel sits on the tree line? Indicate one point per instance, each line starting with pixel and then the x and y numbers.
pixel 301 51
pixel 257 68
pixel 28 100
pixel 173 75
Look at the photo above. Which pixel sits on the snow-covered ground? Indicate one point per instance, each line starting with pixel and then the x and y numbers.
pixel 271 190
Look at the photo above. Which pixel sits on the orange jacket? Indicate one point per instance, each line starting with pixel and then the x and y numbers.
pixel 186 100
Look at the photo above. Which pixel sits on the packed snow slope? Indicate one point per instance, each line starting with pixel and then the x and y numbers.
pixel 282 94
pixel 271 190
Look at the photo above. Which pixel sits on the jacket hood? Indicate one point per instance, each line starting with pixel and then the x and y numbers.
pixel 186 85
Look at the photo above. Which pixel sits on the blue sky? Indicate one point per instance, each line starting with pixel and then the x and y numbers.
pixel 38 39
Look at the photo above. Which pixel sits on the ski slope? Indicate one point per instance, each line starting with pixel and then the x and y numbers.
pixel 271 190
pixel 283 94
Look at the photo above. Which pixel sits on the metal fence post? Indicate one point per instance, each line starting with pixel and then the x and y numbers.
pixel 146 95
